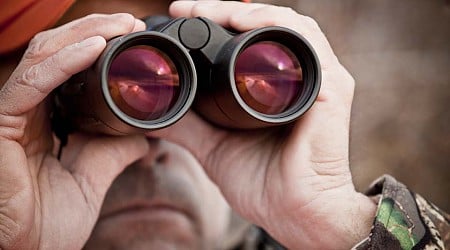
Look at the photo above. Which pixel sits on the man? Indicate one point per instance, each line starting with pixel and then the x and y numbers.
pixel 163 201
pixel 294 183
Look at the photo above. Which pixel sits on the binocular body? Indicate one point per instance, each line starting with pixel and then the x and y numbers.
pixel 148 80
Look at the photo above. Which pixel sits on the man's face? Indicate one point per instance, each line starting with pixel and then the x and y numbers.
pixel 163 201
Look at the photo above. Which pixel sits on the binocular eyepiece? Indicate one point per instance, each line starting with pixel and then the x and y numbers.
pixel 148 80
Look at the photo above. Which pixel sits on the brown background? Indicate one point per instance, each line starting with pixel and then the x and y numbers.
pixel 399 53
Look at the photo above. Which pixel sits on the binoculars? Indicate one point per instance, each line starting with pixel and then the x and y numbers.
pixel 148 80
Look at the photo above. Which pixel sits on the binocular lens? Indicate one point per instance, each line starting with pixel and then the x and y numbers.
pixel 143 82
pixel 269 77
pixel 148 80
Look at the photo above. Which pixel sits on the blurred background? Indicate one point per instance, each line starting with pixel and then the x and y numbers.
pixel 399 54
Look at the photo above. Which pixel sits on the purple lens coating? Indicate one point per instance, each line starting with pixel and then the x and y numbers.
pixel 143 82
pixel 268 77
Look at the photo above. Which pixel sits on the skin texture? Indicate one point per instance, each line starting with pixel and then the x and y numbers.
pixel 302 179
pixel 163 201
pixel 294 182
pixel 34 208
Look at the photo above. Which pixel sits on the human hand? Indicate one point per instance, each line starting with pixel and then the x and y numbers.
pixel 294 182
pixel 46 203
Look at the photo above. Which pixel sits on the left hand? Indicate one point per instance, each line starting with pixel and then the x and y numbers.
pixel 296 184
pixel 47 203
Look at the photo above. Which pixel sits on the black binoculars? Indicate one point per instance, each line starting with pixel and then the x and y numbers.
pixel 148 80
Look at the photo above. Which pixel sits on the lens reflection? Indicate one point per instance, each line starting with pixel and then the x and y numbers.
pixel 268 77
pixel 143 82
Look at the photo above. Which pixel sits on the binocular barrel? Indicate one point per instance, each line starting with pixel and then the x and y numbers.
pixel 148 80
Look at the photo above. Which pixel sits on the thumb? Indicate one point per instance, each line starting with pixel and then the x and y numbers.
pixel 194 134
pixel 101 160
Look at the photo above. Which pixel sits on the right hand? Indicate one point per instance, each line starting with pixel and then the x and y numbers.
pixel 46 203
pixel 294 182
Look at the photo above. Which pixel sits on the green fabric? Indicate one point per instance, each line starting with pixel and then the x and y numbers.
pixel 395 221
pixel 405 220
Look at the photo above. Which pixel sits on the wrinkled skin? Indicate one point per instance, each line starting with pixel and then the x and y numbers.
pixel 294 182
pixel 162 201
pixel 45 203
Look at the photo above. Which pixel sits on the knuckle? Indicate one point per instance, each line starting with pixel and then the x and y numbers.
pixel 29 76
pixel 36 47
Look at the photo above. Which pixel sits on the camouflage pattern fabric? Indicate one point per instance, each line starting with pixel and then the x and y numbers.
pixel 405 220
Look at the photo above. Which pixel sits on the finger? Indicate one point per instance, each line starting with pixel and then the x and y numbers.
pixel 193 133
pixel 25 89
pixel 15 195
pixel 101 160
pixel 48 42
pixel 243 17
pixel 337 83
pixel 209 9
pixel 286 17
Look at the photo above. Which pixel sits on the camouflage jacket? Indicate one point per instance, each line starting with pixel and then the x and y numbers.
pixel 404 220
